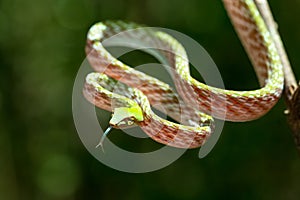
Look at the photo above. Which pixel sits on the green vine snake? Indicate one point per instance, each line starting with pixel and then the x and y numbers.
pixel 129 94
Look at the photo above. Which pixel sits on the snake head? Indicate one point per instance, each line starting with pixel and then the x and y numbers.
pixel 124 117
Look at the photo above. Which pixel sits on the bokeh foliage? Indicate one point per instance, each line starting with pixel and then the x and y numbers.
pixel 41 156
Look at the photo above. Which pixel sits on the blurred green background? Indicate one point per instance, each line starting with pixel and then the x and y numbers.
pixel 41 156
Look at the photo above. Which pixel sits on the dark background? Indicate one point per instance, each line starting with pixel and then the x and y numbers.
pixel 41 156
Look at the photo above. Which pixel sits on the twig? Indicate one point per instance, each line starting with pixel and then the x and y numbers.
pixel 291 90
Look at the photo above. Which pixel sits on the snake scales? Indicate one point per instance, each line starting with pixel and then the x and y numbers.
pixel 129 93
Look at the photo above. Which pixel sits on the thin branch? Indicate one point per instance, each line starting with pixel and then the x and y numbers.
pixel 292 94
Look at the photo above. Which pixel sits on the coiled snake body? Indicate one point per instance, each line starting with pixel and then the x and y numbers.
pixel 131 97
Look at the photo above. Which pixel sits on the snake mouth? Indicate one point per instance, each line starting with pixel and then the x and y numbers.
pixel 124 123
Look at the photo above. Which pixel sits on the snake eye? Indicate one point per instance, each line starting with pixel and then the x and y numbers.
pixel 129 123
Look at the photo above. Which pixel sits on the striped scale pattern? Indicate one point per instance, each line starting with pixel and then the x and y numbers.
pixel 194 126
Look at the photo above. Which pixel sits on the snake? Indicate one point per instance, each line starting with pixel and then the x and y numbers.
pixel 130 95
